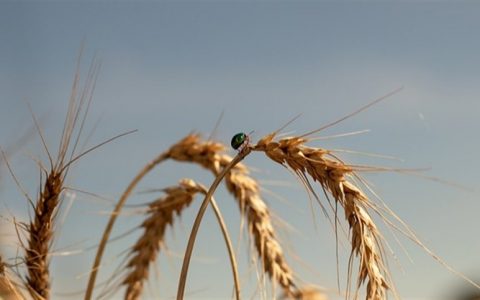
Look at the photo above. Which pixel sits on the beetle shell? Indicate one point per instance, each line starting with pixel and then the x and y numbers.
pixel 238 140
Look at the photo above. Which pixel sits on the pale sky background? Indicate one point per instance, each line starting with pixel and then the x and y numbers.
pixel 172 67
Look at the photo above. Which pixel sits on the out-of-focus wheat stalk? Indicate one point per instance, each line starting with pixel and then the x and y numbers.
pixel 306 293
pixel 161 215
pixel 8 289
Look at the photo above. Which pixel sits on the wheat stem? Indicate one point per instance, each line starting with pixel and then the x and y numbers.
pixel 106 234
pixel 162 212
pixel 198 220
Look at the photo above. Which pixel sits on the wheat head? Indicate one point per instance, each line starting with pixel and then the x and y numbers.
pixel 41 231
pixel 333 175
pixel 245 190
pixel 161 214
pixel 41 228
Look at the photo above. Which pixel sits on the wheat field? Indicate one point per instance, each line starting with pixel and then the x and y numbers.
pixel 347 200
pixel 239 150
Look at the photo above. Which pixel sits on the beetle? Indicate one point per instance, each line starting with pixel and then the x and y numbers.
pixel 239 141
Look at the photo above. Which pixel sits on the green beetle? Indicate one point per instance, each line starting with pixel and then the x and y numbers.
pixel 238 140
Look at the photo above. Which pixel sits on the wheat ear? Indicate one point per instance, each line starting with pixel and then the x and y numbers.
pixel 245 190
pixel 161 215
pixel 113 217
pixel 332 175
pixel 41 228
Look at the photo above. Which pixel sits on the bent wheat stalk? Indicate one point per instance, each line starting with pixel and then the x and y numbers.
pixel 161 215
pixel 113 217
pixel 196 224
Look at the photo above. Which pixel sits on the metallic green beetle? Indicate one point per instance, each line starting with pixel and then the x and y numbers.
pixel 238 140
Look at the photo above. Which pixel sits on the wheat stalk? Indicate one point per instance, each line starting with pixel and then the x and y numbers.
pixel 161 215
pixel 333 175
pixel 113 217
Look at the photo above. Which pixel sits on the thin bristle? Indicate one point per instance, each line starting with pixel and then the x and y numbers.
pixel 161 214
pixel 332 175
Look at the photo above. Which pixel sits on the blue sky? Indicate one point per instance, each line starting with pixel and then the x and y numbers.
pixel 172 67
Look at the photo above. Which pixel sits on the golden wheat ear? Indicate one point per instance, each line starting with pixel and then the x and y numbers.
pixel 333 177
pixel 42 227
pixel 160 216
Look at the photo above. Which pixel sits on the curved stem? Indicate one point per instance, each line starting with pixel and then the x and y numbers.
pixel 113 217
pixel 231 252
pixel 198 219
